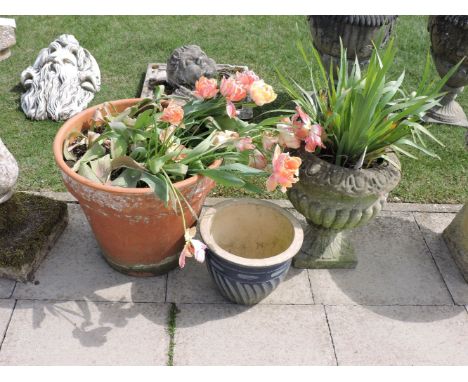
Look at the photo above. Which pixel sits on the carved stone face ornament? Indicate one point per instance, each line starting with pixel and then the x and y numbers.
pixel 61 82
pixel 187 64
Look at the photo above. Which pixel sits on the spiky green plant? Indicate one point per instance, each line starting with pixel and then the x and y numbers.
pixel 363 113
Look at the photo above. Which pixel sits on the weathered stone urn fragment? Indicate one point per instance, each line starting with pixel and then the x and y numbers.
pixel 357 33
pixel 334 199
pixel 8 173
pixel 7 37
pixel 449 45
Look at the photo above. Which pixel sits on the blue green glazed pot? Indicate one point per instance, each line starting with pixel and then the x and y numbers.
pixel 250 247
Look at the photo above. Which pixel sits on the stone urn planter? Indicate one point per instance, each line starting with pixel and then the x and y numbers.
pixel 334 199
pixel 250 246
pixel 356 31
pixel 138 235
pixel 449 44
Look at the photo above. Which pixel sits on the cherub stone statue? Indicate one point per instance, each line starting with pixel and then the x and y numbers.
pixel 187 64
pixel 61 82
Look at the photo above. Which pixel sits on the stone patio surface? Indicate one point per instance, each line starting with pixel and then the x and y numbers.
pixel 404 304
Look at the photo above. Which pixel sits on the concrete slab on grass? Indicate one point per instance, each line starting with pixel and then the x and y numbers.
pixel 193 284
pixel 399 335
pixel 226 334
pixel 432 225
pixel 6 287
pixel 86 333
pixel 76 270
pixel 6 309
pixel 394 267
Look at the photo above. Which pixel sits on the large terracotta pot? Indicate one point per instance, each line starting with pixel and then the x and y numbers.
pixel 138 235
pixel 334 199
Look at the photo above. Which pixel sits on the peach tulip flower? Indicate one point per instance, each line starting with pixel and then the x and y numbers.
pixel 285 171
pixel 222 137
pixel 246 78
pixel 269 141
pixel 192 248
pixel 173 113
pixel 261 93
pixel 287 138
pixel 206 88
pixel 244 144
pixel 257 160
pixel 314 138
pixel 232 90
pixel 301 123
pixel 231 109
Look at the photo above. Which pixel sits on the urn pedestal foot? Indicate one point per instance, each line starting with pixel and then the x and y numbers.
pixel 325 249
pixel 450 112
pixel 4 54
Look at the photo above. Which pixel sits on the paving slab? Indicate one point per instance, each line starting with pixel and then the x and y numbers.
pixel 420 207
pixel 432 225
pixel 86 333
pixel 193 284
pixel 399 335
pixel 76 270
pixel 6 287
pixel 6 308
pixel 394 267
pixel 225 334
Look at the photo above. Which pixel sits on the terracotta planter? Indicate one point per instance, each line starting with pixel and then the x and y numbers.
pixel 334 199
pixel 250 246
pixel 138 235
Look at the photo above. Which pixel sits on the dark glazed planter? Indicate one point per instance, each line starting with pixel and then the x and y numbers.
pixel 449 44
pixel 356 31
pixel 334 199
pixel 250 246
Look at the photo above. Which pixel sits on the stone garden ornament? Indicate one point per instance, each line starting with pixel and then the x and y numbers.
pixel 7 37
pixel 8 173
pixel 61 82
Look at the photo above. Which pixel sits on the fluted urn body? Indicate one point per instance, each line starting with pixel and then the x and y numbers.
pixel 333 199
pixel 8 173
pixel 356 31
pixel 449 45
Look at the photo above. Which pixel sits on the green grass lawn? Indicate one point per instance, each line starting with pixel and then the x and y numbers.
pixel 123 46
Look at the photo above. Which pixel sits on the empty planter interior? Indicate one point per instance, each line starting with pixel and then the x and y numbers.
pixel 251 243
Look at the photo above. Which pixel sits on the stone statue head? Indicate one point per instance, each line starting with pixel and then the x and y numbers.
pixel 187 64
pixel 61 82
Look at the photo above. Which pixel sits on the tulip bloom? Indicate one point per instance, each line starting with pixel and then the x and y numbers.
pixel 285 171
pixel 232 90
pixel 193 248
pixel 246 78
pixel 314 138
pixel 173 113
pixel 301 123
pixel 261 93
pixel 244 144
pixel 268 141
pixel 231 109
pixel 222 137
pixel 206 88
pixel 257 160
pixel 287 138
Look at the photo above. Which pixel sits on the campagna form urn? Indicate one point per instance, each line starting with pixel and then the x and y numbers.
pixel 356 31
pixel 334 199
pixel 449 44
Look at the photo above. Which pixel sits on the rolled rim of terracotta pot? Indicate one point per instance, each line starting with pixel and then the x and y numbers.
pixel 206 222
pixel 76 122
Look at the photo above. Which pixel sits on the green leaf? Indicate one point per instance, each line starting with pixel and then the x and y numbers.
pixel 118 126
pixel 94 152
pixel 158 185
pixel 242 168
pixel 102 168
pixel 144 119
pixel 128 178
pixel 139 154
pixel 222 177
pixel 86 171
pixel 253 188
pixel 118 147
pixel 177 169
pixel 127 162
